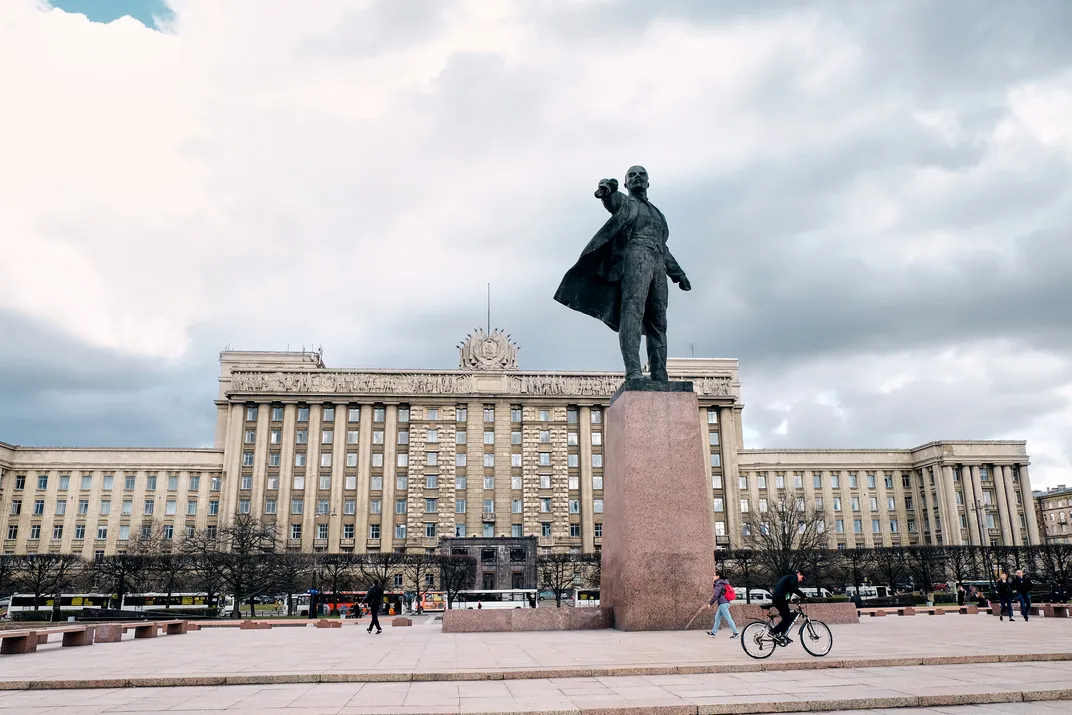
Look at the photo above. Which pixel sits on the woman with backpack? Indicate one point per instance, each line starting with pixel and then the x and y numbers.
pixel 722 596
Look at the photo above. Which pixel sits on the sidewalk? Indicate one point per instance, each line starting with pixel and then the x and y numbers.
pixel 759 692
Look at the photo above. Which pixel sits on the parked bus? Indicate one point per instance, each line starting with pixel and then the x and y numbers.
pixel 816 592
pixel 585 597
pixel 346 601
pixel 195 603
pixel 71 604
pixel 510 598
pixel 870 591
pixel 433 602
pixel 756 596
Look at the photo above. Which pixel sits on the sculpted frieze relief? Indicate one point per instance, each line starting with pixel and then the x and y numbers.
pixel 376 383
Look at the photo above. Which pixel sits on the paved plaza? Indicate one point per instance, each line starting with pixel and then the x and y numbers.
pixel 888 662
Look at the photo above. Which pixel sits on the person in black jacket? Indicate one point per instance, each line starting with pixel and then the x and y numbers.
pixel 787 585
pixel 374 598
pixel 1005 591
pixel 1021 586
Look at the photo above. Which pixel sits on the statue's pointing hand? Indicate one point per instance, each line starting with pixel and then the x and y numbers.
pixel 682 282
pixel 606 188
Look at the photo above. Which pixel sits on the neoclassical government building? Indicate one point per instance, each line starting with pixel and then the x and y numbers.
pixel 377 460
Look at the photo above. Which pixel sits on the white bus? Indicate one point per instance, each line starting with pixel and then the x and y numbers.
pixel 510 598
pixel 870 591
pixel 71 604
pixel 758 596
pixel 583 597
pixel 816 592
pixel 178 602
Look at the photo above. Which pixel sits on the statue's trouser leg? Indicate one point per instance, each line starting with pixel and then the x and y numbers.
pixel 640 265
pixel 655 327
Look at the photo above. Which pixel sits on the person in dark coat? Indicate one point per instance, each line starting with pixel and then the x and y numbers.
pixel 374 599
pixel 1021 586
pixel 787 586
pixel 1005 593
pixel 961 595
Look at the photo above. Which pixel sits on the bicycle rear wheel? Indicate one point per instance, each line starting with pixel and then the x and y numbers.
pixel 816 638
pixel 756 640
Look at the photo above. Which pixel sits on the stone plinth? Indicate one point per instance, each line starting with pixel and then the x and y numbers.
pixel 493 620
pixel 658 541
pixel 108 633
pixel 402 622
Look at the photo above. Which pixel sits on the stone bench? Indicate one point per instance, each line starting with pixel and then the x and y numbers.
pixel 254 626
pixel 324 623
pixel 969 610
pixel 1055 610
pixel 26 641
pixel 402 621
pixel 906 611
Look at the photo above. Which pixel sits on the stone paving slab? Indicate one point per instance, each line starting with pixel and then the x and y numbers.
pixel 229 656
pixel 1032 687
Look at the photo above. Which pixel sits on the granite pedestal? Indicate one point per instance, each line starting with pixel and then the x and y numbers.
pixel 658 542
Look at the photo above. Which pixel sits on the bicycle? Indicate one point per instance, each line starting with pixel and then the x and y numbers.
pixel 758 642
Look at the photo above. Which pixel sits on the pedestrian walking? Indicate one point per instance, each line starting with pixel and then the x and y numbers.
pixel 721 600
pixel 374 599
pixel 1005 593
pixel 961 596
pixel 1022 589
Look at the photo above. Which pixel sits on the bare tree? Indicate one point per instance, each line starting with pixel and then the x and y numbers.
pixel 204 562
pixel 559 572
pixel 337 571
pixel 121 574
pixel 243 551
pixel 9 564
pixel 417 567
pixel 963 563
pixel 891 564
pixel 926 563
pixel 857 563
pixel 291 574
pixel 49 575
pixel 742 570
pixel 1055 563
pixel 456 573
pixel 381 567
pixel 784 536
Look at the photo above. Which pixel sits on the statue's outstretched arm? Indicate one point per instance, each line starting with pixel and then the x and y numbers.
pixel 609 194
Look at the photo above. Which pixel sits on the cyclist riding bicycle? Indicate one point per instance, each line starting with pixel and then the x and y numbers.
pixel 787 586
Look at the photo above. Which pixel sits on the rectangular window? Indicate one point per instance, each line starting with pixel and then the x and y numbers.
pixel 301 437
pixel 872 502
pixel 489 414
pixel 761 481
pixel 837 503
pixel 277 414
pixel 515 414
pixel 876 527
pixel 39 507
pixel 893 526
pixel 817 481
pixel 325 482
pixel 891 504
pixel 742 483
pixel 400 531
pixel 431 481
pixel 352 436
pixel 379 414
pixel 597 416
pixel 347 531
pixel 87 482
pixel 247 459
pixel 744 506
pixel 461 482
pixel 191 508
pixel 431 506
pixel 65 482
pixel 839 526
pixel 61 508
pixel 431 459
pixel 299 459
pixel 79 531
pixel 251 414
pixel 720 505
pixel 459 506
pixel 545 505
pixel 400 506
pixel 575 506
pixel 870 481
pixel 402 461
pixel 460 437
pixel 297 506
pixel 489 437
pixel 169 507
pixel 402 482
pixel 762 505
pixel 515 482
pixel 303 414
pixel 327 436
pixel 432 436
pixel 571 439
pixel 545 459
pixel 403 436
pixel 460 459
pixel 430 530
pixel 835 480
pixel 716 459
pixel 295 531
pixel 545 528
pixel 325 459
pixel 353 414
pixel 432 413
pixel 852 480
pixel 712 438
pixel 515 459
pixel 147 508
pixel 597 482
pixel 573 461
pixel 247 481
pixel 195 483
pixel 321 531
pixel 712 415
pixel 251 436
pixel 128 507
pixel 57 532
pixel 545 436
pixel 102 532
pixel 855 503
pixel 798 481
pixel 328 415
pixel 857 526
pixel 597 460
pixel 403 414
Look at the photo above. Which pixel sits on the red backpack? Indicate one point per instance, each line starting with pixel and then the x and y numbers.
pixel 729 593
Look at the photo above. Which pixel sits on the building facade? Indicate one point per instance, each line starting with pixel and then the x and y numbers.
pixel 381 460
pixel 501 563
pixel 1054 513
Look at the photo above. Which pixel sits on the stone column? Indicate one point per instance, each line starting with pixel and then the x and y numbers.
pixel 312 478
pixel 998 478
pixel 1010 499
pixel 1029 509
pixel 951 533
pixel 968 491
pixel 390 471
pixel 338 477
pixel 977 515
pixel 729 433
pixel 584 450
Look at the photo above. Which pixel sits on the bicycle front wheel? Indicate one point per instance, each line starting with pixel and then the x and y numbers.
pixel 757 641
pixel 816 638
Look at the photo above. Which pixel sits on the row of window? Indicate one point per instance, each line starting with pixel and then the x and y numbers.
pixel 167 531
pixel 431 506
pixel 431 414
pixel 148 507
pixel 431 481
pixel 130 482
pixel 431 459
pixel 327 436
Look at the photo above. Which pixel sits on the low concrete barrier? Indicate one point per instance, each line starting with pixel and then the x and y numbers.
pixel 831 613
pixel 402 621
pixel 525 619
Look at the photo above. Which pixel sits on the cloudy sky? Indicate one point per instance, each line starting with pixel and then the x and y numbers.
pixel 872 201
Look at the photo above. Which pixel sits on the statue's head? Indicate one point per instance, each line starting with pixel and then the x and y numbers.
pixel 636 179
